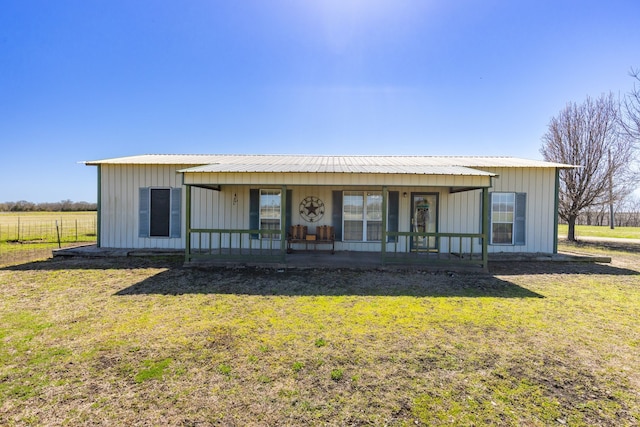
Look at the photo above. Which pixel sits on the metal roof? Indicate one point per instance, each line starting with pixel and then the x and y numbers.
pixel 157 159
pixel 271 163
pixel 344 168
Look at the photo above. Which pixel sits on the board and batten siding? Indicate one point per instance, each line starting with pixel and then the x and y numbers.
pixel 229 208
pixel 119 204
pixel 460 212
pixel 539 186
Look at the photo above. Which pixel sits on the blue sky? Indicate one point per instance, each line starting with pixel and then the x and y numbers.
pixel 91 79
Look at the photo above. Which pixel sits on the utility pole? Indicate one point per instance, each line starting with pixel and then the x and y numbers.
pixel 611 216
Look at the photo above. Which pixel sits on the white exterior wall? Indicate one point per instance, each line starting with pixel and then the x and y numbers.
pixel 461 211
pixel 119 204
pixel 539 185
pixel 458 212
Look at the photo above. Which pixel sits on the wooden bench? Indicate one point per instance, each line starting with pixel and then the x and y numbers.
pixel 298 235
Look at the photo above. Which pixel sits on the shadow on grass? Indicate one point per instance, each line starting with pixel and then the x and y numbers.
pixel 542 267
pixel 614 245
pixel 174 279
pixel 317 282
pixel 97 263
pixel 176 262
pixel 177 280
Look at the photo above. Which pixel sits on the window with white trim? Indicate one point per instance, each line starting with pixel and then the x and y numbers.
pixel 270 212
pixel 362 216
pixel 502 214
pixel 508 218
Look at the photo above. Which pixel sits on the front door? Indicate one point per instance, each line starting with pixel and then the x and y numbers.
pixel 424 219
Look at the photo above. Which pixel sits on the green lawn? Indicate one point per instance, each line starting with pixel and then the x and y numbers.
pixel 45 227
pixel 26 236
pixel 12 217
pixel 601 231
pixel 149 342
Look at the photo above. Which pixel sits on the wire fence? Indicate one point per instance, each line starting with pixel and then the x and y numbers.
pixel 31 239
pixel 51 230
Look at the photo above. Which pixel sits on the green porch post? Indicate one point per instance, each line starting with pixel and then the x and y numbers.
pixel 99 207
pixel 283 216
pixel 556 207
pixel 485 228
pixel 187 246
pixel 385 198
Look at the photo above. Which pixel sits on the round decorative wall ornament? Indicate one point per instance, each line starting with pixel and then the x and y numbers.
pixel 311 209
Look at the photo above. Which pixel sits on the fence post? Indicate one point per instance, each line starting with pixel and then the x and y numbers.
pixel 58 232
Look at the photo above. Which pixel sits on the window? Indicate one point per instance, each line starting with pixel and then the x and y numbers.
pixel 265 211
pixel 362 216
pixel 508 218
pixel 270 212
pixel 159 213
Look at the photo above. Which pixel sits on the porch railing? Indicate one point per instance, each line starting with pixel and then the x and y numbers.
pixel 406 247
pixel 434 248
pixel 235 244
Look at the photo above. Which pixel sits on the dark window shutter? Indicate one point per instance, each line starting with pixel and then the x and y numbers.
pixel 519 225
pixel 176 204
pixel 287 219
pixel 160 212
pixel 254 208
pixel 336 216
pixel 394 210
pixel 143 212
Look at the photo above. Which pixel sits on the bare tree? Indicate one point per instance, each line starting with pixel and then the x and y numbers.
pixel 631 118
pixel 589 136
pixel 632 208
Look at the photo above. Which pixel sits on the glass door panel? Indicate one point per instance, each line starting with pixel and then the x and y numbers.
pixel 424 219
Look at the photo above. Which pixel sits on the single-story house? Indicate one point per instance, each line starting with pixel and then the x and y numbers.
pixel 406 208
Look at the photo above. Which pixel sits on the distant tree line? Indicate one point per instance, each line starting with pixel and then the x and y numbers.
pixel 626 214
pixel 61 206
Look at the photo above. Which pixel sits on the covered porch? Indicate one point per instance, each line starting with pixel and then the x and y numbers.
pixel 396 243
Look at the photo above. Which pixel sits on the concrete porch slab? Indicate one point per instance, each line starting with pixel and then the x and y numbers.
pixel 339 260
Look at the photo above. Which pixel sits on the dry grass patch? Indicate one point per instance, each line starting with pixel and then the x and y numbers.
pixel 148 342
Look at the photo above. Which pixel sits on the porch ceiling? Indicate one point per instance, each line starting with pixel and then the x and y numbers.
pixel 264 179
